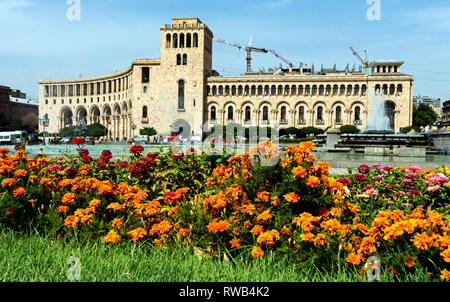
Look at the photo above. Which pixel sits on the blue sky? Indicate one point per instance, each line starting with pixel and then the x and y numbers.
pixel 39 42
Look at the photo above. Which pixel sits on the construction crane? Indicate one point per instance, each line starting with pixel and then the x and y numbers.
pixel 364 62
pixel 247 48
pixel 280 57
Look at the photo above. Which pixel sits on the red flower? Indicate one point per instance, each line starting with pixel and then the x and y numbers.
pixel 136 149
pixel 78 140
pixel 153 155
pixel 106 153
pixel 176 156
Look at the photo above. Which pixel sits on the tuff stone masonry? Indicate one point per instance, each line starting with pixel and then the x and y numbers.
pixel 181 85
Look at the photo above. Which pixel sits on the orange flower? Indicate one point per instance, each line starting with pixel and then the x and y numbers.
pixel 116 206
pixel 10 211
pixel 264 216
pixel 285 231
pixel 20 173
pixel 268 237
pixel 62 209
pixel 275 201
pixel 117 223
pixel 94 203
pixel 235 243
pixel 86 219
pixel 137 234
pixel 18 191
pixel 257 252
pixel 69 198
pixel 263 196
pixel 320 239
pixel 32 201
pixel 299 172
pixel 112 237
pixel 308 237
pixel 292 197
pixel 218 226
pixel 446 255
pixel 8 182
pixel 445 275
pixel 71 221
pixel 184 232
pixel 312 181
pixel 409 261
pixel 248 209
pixel 161 228
pixel 257 229
pixel 354 258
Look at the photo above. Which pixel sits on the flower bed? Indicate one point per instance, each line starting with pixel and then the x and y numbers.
pixel 238 205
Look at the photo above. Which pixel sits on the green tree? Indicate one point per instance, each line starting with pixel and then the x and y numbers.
pixel 150 131
pixel 424 115
pixel 96 130
pixel 350 129
pixel 68 131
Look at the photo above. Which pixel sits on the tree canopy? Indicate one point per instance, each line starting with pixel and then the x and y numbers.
pixel 424 115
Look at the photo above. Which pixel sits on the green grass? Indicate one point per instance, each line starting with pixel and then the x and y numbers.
pixel 36 258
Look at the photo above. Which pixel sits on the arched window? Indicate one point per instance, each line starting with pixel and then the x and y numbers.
pixel 314 90
pixel 240 90
pixel 377 89
pixel 356 90
pixel 213 113
pixel 273 90
pixel 342 90
pixel 233 90
pixel 181 40
pixel 328 90
pixel 283 114
pixel 349 90
pixel 168 41
pixel 338 115
pixel 357 113
pixel 188 40
pixel 230 113
pixel 178 59
pixel 227 90
pixel 363 90
pixel 335 90
pixel 321 89
pixel 144 112
pixel 248 114
pixel 307 90
pixel 280 90
pixel 286 90
pixel 319 114
pixel 195 40
pixel 300 90
pixel 266 90
pixel 253 90
pixel 260 90
pixel 294 90
pixel 246 90
pixel 392 89
pixel 185 59
pixel 214 90
pixel 301 115
pixel 181 94
pixel 175 41
pixel 265 116
pixel 399 89
pixel 220 90
pixel 385 89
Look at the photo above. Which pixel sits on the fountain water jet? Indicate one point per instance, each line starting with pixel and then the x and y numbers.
pixel 377 122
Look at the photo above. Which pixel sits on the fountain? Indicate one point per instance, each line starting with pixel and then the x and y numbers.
pixel 378 122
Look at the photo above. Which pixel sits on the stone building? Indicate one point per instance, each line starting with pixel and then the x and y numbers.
pixel 446 114
pixel 15 107
pixel 182 86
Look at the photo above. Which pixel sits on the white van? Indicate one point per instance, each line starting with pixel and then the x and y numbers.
pixel 11 138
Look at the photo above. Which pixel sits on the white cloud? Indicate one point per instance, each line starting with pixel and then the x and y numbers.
pixel 12 5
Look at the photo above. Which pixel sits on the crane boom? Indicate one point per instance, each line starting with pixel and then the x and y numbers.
pixel 356 55
pixel 282 58
pixel 229 43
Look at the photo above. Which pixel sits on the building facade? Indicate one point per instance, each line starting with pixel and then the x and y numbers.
pixel 15 107
pixel 446 114
pixel 182 86
pixel 434 103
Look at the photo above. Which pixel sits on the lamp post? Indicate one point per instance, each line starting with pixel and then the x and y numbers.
pixel 45 121
pixel 133 127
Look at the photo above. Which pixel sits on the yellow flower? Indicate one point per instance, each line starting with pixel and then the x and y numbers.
pixel 320 239
pixel 235 243
pixel 264 216
pixel 445 275
pixel 71 221
pixel 69 198
pixel 20 173
pixel 137 234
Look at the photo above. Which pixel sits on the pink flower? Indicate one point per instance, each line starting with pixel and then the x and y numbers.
pixel 371 192
pixel 406 181
pixel 55 168
pixel 388 187
pixel 74 159
pixel 414 168
pixel 414 192
pixel 344 181
pixel 378 177
pixel 411 175
pixel 388 168
pixel 434 188
pixel 123 164
pixel 376 166
pixel 360 177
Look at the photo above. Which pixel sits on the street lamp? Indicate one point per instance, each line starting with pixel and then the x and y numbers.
pixel 133 127
pixel 45 121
